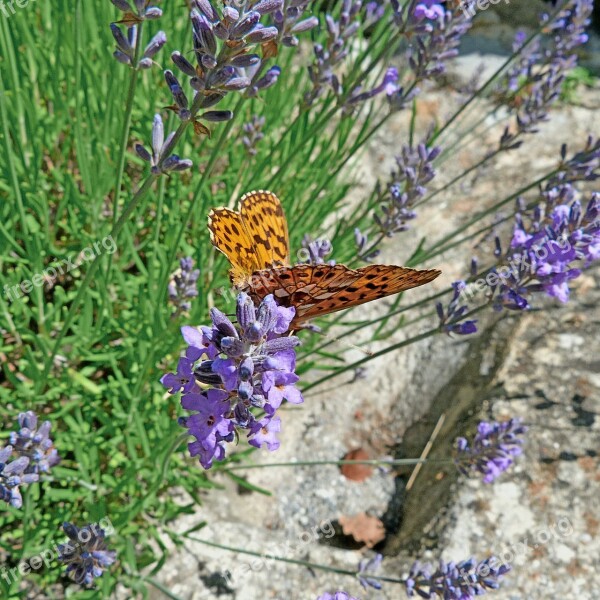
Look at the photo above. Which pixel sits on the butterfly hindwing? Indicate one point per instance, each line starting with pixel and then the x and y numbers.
pixel 253 239
pixel 266 225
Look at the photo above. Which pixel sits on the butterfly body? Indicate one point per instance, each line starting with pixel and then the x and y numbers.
pixel 255 241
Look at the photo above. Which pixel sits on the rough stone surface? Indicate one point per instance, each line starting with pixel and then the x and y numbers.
pixel 549 378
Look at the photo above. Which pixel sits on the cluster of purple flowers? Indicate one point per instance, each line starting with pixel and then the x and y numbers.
pixel 32 453
pixel 534 83
pixel 493 450
pixel 85 554
pixel 452 581
pixel 225 61
pixel 229 373
pixel 13 475
pixel 224 48
pixel 323 72
pixel 127 43
pixel 160 158
pixel 550 245
pixel 183 285
pixel 253 134
pixel 290 20
pixel 434 30
pixel 328 58
pixel 405 188
pixel 336 596
pixel 452 319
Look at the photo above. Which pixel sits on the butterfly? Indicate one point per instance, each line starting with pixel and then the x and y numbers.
pixel 255 240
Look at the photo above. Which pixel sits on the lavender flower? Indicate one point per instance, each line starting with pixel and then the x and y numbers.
pixel 315 251
pixel 183 285
pixel 257 84
pixel 327 58
pixel 126 45
pixel 494 447
pixel 551 243
pixel 336 596
pixel 253 134
pixel 387 85
pixel 228 371
pixel 405 188
pixel 428 9
pixel 374 12
pixel 462 581
pixel 161 163
pixel 290 20
pixel 452 319
pixel 434 34
pixel 529 89
pixel 13 475
pixel 224 48
pixel 85 554
pixel 142 11
pixel 367 566
pixel 34 443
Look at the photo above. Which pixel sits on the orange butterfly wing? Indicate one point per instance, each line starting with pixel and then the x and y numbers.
pixel 317 290
pixel 253 239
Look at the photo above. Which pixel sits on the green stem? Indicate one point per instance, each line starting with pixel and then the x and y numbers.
pixel 439 248
pixel 362 361
pixel 314 463
pixel 43 381
pixel 127 123
pixel 292 561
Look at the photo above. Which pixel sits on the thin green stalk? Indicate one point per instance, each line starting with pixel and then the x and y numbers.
pixel 362 361
pixel 127 123
pixel 462 175
pixel 42 382
pixel 315 463
pixel 439 248
pixel 292 561
pixel 489 82
pixel 402 344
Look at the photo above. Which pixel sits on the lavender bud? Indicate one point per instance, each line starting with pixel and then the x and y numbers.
pixel 246 25
pixel 244 60
pixel 217 115
pixel 122 5
pixel 153 13
pixel 305 25
pixel 155 44
pixel 207 10
pixel 262 34
pixel 183 64
pixel 267 6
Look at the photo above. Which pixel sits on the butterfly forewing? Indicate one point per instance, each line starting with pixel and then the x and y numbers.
pixel 317 290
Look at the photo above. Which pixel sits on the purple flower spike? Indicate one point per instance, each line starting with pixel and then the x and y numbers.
pixel 159 161
pixel 451 581
pixel 12 475
pixel 336 596
pixel 367 566
pixel 494 448
pixel 452 320
pixel 34 443
pixel 85 554
pixel 183 286
pixel 236 369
